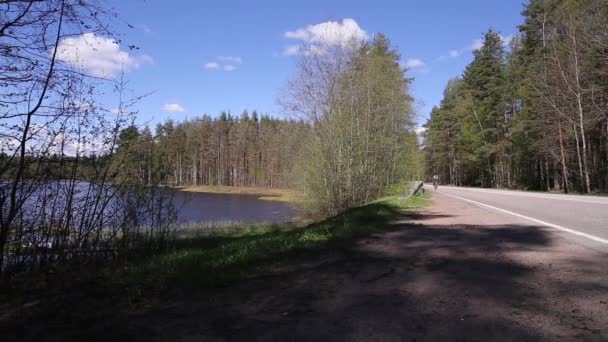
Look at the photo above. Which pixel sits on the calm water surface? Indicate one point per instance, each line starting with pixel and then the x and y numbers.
pixel 207 208
pixel 191 207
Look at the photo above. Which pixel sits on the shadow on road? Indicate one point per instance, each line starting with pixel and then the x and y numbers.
pixel 420 282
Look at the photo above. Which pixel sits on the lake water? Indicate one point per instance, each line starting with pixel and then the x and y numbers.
pixel 206 208
pixel 46 206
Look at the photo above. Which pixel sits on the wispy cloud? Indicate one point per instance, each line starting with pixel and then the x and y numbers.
pixel 414 63
pixel 291 50
pixel 173 108
pixel 506 40
pixel 230 59
pixel 212 65
pixel 454 53
pixel 451 54
pixel 226 63
pixel 476 44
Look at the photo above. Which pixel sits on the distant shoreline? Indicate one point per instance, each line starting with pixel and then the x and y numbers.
pixel 266 194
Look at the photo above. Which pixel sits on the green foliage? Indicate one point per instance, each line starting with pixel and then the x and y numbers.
pixel 411 163
pixel 362 132
pixel 531 117
pixel 224 151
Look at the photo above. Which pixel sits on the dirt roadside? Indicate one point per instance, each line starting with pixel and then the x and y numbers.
pixel 453 272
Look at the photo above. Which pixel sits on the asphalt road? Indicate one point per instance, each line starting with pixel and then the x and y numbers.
pixel 582 219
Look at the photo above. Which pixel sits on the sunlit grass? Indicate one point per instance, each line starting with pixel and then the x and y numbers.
pixel 266 194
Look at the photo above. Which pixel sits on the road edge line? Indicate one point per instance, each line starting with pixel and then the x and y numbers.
pixel 567 230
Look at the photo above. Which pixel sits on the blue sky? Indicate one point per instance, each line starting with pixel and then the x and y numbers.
pixel 178 39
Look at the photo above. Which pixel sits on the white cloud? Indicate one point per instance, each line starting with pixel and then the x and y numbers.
pixel 451 54
pixel 173 108
pixel 420 130
pixel 291 50
pixel 414 63
pixel 420 135
pixel 329 33
pixel 97 55
pixel 476 44
pixel 145 59
pixel 226 63
pixel 454 53
pixel 212 65
pixel 48 138
pixel 506 41
pixel 230 59
pixel 146 29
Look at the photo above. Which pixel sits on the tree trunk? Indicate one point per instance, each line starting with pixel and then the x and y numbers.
pixel 578 154
pixel 579 102
pixel 563 159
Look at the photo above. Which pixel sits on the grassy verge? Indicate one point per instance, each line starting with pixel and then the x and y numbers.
pixel 233 253
pixel 267 194
pixel 202 258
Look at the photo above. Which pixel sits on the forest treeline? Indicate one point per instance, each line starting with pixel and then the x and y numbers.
pixel 533 115
pixel 249 150
pixel 351 135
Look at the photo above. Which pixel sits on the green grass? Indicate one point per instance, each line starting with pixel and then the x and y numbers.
pixel 230 252
pixel 399 189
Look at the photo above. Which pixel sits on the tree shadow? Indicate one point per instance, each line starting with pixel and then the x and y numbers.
pixel 427 283
pixel 400 282
pixel 423 216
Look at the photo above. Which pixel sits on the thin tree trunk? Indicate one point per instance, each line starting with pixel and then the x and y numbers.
pixel 548 180
pixel 563 159
pixel 579 102
pixel 14 205
pixel 578 154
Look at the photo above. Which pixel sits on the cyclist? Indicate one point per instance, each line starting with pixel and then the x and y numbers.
pixel 435 181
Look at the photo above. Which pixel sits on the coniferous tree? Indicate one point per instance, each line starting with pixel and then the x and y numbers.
pixel 534 117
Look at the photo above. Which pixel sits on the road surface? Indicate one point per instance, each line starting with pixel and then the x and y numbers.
pixel 455 271
pixel 581 219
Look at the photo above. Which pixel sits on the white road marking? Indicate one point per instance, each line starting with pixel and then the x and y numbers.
pixel 567 230
pixel 556 197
